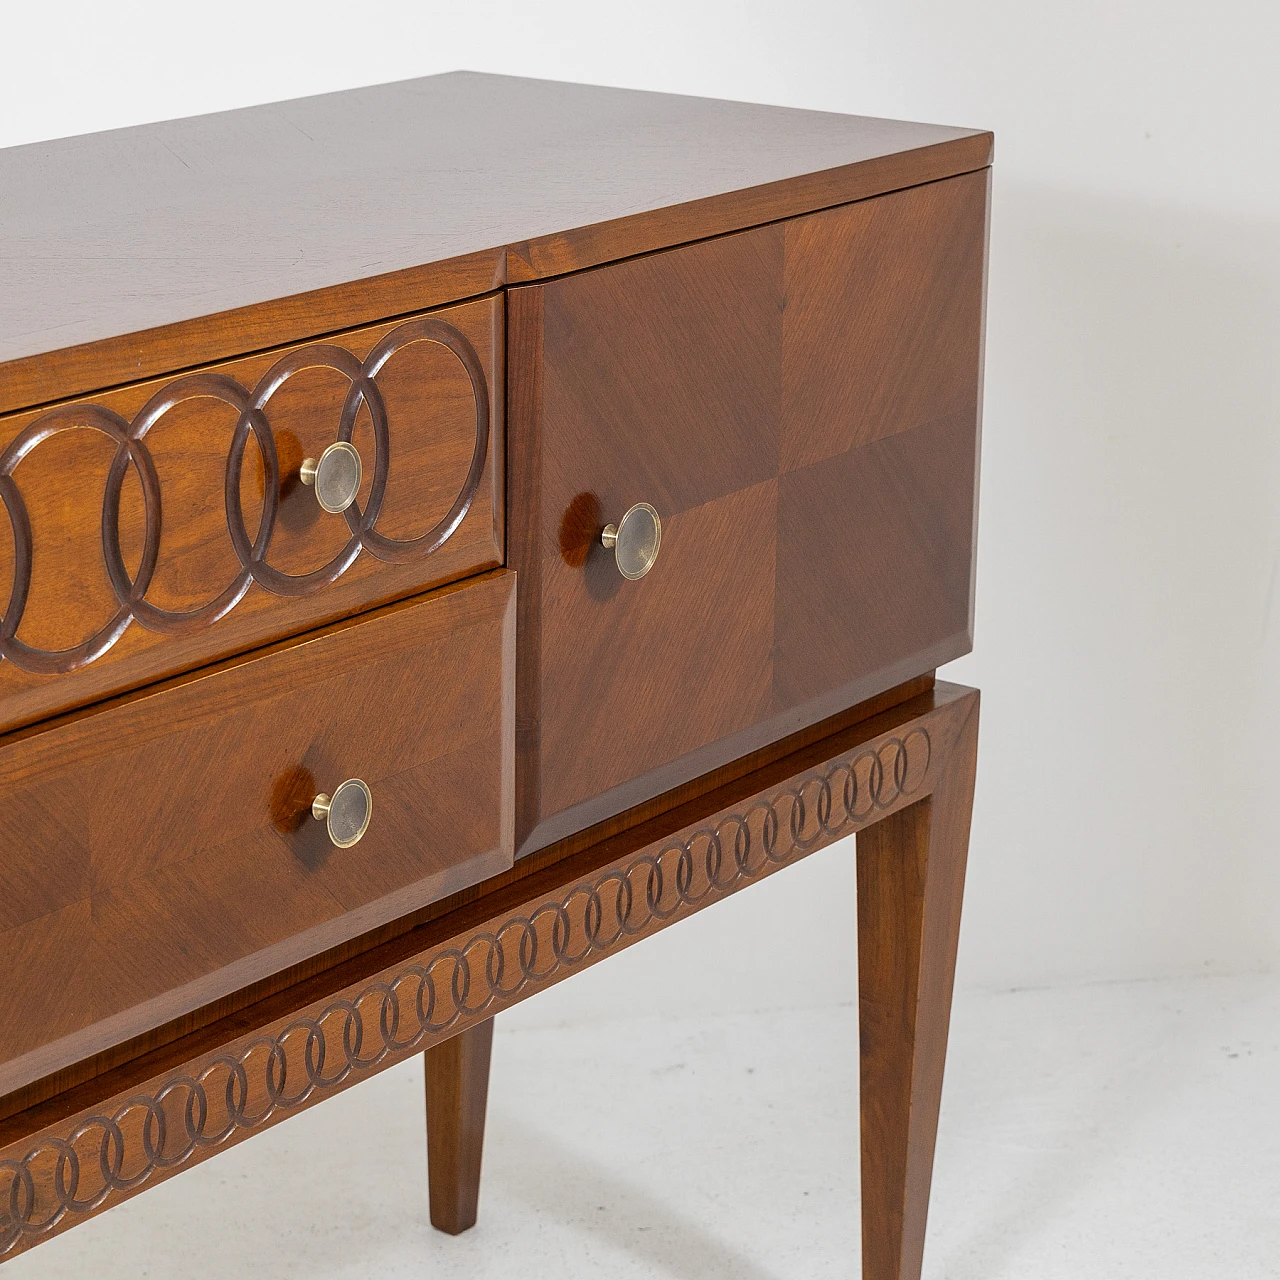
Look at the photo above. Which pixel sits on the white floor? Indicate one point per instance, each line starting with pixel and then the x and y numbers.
pixel 1110 1131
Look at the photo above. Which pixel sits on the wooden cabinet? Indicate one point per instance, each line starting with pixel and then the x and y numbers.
pixel 341 706
pixel 800 405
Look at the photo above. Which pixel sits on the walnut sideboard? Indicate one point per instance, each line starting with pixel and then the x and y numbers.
pixel 454 530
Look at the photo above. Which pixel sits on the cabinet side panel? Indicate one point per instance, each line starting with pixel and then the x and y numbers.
pixel 882 378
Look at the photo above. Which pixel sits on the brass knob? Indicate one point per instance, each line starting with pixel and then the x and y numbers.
pixel 336 476
pixel 346 813
pixel 635 540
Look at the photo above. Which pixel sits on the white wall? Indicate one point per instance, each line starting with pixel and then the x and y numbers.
pixel 1129 607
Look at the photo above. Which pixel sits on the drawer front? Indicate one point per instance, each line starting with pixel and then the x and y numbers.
pixel 800 404
pixel 161 852
pixel 166 525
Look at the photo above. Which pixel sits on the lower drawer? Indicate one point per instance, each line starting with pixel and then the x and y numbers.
pixel 161 852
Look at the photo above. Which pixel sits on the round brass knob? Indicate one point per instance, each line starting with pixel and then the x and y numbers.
pixel 346 813
pixel 635 540
pixel 336 476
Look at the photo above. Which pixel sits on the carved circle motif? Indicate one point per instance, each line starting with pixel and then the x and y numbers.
pixel 131 451
pixel 458 984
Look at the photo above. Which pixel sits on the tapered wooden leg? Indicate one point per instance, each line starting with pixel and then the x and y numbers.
pixel 910 882
pixel 457 1075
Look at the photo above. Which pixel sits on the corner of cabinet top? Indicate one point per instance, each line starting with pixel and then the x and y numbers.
pixel 275 227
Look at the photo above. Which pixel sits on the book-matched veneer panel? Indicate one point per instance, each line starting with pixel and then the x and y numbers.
pixel 165 525
pixel 160 852
pixel 801 405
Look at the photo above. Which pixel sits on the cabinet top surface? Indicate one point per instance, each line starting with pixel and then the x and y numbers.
pixel 117 233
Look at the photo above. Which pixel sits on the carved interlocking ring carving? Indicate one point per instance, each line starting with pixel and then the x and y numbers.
pixel 255 1081
pixel 131 451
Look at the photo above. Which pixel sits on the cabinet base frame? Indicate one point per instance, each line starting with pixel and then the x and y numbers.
pixel 902 780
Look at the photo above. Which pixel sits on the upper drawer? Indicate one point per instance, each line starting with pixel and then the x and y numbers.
pixel 161 852
pixel 800 405
pixel 165 525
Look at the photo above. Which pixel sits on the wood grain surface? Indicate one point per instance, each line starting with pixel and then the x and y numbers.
pixel 295 219
pixel 911 870
pixel 456 1079
pixel 442 407
pixel 801 404
pixel 160 852
pixel 154 1117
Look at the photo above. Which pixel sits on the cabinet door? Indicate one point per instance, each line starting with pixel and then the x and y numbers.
pixel 800 405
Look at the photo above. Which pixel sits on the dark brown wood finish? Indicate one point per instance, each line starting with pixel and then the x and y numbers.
pixel 299 218
pixel 405 993
pixel 159 852
pixel 442 409
pixel 457 1087
pixel 767 323
pixel 910 886
pixel 801 404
